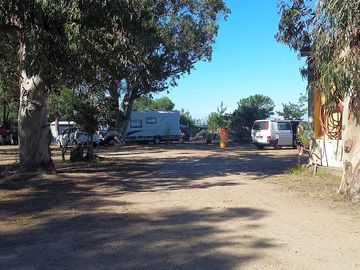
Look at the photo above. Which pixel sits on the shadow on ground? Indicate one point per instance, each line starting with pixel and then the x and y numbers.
pixel 176 239
pixel 68 220
pixel 74 183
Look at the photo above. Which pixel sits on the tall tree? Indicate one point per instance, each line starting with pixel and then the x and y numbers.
pixel 186 33
pixel 294 111
pixel 332 31
pixel 186 119
pixel 250 109
pixel 142 45
pixel 218 119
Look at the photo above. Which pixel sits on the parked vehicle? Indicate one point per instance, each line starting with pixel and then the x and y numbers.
pixel 153 126
pixel 56 134
pixel 275 133
pixel 108 136
pixel 73 136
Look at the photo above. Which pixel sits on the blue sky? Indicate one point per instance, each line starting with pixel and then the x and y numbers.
pixel 246 60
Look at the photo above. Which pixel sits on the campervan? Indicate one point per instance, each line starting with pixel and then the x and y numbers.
pixel 153 126
pixel 275 133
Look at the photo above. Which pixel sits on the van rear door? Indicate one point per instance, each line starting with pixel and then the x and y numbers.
pixel 285 133
pixel 260 132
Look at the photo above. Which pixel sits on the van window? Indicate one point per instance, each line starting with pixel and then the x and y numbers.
pixel 136 123
pixel 263 125
pixel 150 120
pixel 284 126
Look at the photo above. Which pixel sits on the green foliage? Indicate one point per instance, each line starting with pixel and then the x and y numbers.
pixel 163 104
pixel 149 43
pixel 331 29
pixel 146 45
pixel 74 105
pixel 86 115
pixel 146 102
pixel 295 26
pixel 249 109
pixel 61 105
pixel 218 119
pixel 186 118
pixel 9 92
pixel 143 103
pixel 294 111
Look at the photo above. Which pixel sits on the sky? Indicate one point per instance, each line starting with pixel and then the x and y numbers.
pixel 246 60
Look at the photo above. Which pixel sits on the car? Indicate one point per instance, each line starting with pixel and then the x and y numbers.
pixel 74 136
pixel 108 136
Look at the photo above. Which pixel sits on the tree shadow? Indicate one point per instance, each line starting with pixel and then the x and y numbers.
pixel 77 223
pixel 76 183
pixel 147 174
pixel 174 239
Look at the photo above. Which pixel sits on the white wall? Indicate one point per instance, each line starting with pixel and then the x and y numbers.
pixel 327 153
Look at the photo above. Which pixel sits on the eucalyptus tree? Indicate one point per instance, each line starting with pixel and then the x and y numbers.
pixel 328 30
pixel 185 32
pixel 141 45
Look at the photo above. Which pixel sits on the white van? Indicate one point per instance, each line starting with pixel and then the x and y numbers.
pixel 275 133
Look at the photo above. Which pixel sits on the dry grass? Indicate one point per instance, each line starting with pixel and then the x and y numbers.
pixel 321 186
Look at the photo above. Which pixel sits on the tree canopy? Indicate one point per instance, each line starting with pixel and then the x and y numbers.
pixel 146 102
pixel 293 111
pixel 328 33
pixel 131 48
pixel 218 119
pixel 250 109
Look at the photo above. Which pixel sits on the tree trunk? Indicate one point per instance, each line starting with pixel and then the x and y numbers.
pixel 57 128
pixel 115 95
pixel 125 113
pixel 351 129
pixel 34 150
pixel 90 148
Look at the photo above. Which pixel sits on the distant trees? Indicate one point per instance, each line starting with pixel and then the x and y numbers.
pixel 250 109
pixel 294 111
pixel 218 119
pixel 146 102
pixel 186 119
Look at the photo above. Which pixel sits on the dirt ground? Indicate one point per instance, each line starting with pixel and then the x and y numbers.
pixel 176 207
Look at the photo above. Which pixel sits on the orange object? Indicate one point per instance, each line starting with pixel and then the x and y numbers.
pixel 223 134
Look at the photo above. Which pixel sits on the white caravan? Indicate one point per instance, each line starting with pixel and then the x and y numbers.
pixel 276 133
pixel 153 126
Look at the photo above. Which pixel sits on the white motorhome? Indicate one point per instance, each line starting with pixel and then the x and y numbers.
pixel 153 126
pixel 276 133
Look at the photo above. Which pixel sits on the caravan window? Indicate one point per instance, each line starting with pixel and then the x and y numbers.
pixel 136 123
pixel 284 126
pixel 151 120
